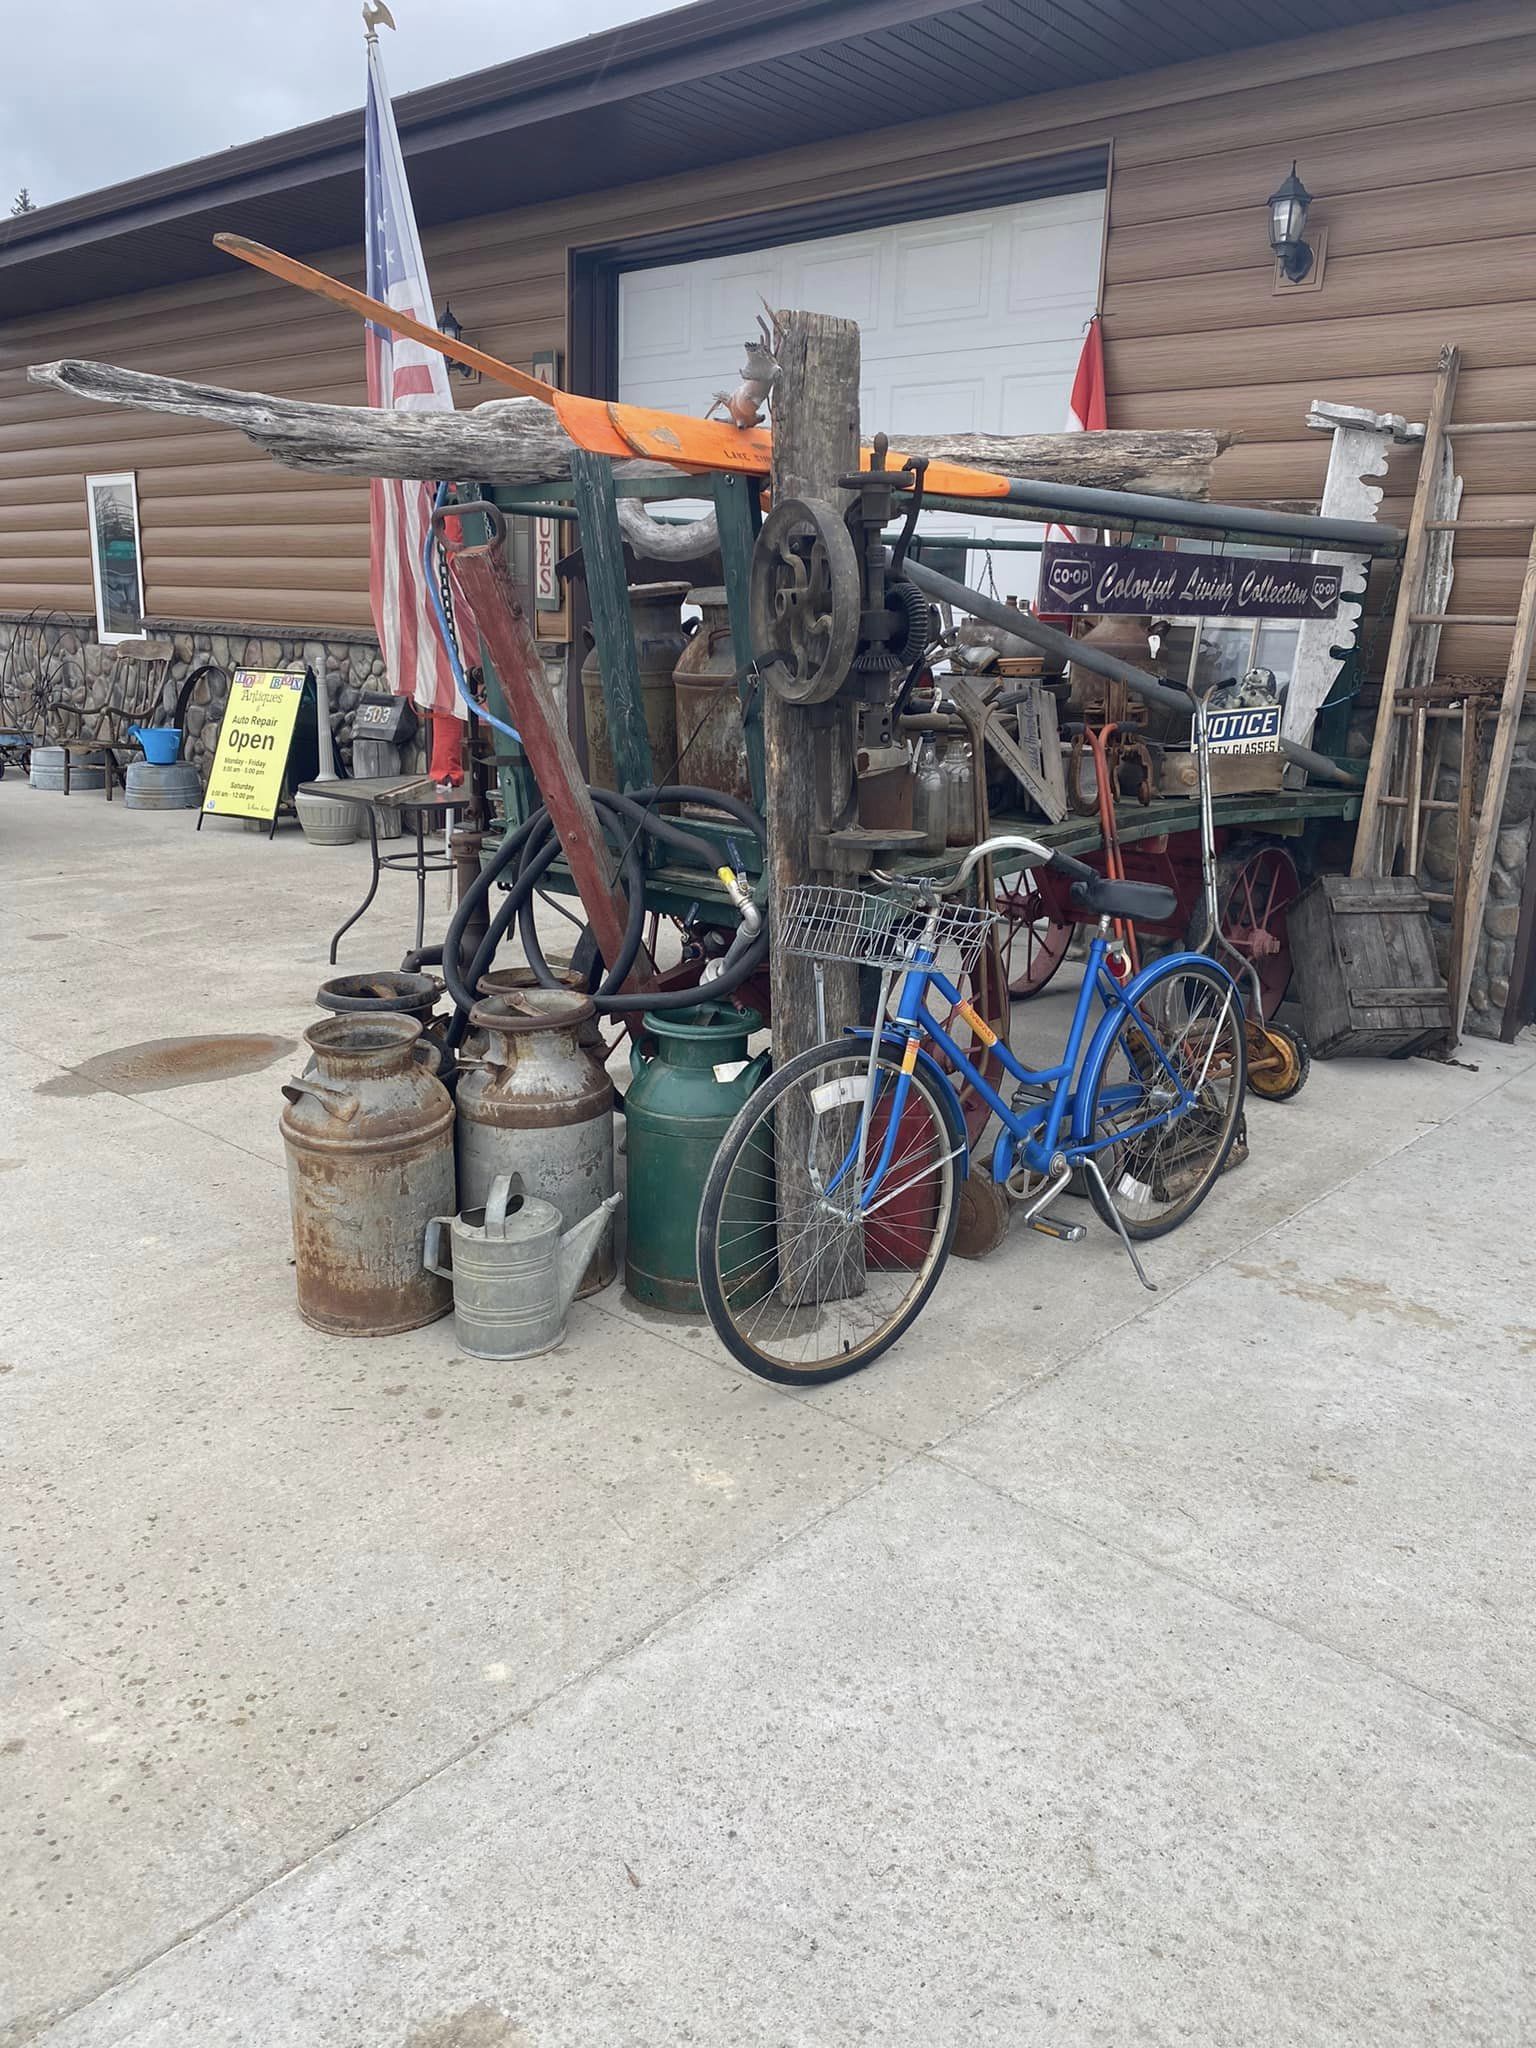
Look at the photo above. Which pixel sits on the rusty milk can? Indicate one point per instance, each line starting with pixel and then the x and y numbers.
pixel 384 992
pixel 710 742
pixel 369 1135
pixel 655 611
pixel 539 1104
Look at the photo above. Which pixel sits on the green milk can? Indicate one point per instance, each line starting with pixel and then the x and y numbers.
pixel 678 1107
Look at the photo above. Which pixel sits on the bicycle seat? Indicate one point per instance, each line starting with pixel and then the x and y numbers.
pixel 1147 900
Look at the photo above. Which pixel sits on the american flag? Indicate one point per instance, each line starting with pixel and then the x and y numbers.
pixel 404 375
pixel 1087 413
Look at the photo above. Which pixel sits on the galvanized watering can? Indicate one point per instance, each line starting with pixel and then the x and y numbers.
pixel 513 1269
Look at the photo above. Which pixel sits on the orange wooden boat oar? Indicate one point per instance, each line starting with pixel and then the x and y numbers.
pixel 325 287
pixel 601 426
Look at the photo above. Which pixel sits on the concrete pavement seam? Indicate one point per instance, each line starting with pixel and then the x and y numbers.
pixel 1493 1731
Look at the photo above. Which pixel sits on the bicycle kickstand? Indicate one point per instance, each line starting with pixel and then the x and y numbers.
pixel 1091 1165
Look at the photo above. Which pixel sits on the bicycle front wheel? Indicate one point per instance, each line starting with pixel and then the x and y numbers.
pixel 1185 1038
pixel 811 1261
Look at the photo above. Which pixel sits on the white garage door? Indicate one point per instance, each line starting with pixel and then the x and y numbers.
pixel 968 324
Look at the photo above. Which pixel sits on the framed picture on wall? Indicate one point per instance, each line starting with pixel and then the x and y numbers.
pixel 117 569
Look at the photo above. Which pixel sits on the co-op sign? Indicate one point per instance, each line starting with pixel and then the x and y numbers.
pixel 1139 582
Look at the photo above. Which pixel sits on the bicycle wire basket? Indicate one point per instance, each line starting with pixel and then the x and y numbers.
pixel 859 929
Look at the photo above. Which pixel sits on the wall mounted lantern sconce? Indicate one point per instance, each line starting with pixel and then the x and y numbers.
pixel 1287 229
pixel 449 325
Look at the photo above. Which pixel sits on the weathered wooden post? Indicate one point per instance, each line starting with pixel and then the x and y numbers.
pixel 809 750
pixel 809 747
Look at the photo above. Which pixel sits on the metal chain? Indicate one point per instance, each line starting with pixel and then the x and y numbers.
pixel 445 588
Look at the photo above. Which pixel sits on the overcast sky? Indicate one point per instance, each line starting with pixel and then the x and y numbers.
pixel 93 91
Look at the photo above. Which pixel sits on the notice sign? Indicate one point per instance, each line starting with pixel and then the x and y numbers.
pixel 1254 730
pixel 247 777
pixel 1139 582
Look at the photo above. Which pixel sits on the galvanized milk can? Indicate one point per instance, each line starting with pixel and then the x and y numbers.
pixel 369 1136
pixel 677 1109
pixel 537 1103
pixel 710 740
pixel 514 1269
pixel 656 615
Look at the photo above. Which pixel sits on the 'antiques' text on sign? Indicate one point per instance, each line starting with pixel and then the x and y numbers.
pixel 248 765
pixel 1091 580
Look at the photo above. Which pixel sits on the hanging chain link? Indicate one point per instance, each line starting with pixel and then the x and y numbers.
pixel 445 589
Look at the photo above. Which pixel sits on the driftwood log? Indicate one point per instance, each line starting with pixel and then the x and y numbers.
pixel 513 441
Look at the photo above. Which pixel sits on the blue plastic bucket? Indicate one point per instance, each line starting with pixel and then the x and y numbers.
pixel 161 743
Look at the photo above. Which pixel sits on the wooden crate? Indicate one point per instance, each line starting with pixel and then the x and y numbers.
pixel 1231 774
pixel 1364 960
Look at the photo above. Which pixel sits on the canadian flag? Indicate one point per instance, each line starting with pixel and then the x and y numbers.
pixel 1087 413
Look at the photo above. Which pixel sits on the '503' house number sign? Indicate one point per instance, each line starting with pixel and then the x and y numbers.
pixel 1146 582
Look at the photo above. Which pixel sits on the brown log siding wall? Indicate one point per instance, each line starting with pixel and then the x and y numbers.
pixel 1417 134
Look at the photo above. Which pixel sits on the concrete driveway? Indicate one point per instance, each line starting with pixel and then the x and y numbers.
pixel 1099 1668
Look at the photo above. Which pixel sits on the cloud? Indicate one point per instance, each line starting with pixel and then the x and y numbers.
pixel 93 92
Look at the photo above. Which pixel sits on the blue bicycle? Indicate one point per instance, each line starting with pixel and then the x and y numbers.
pixel 832 1202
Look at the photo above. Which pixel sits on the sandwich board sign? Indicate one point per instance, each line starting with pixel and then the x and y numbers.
pixel 251 759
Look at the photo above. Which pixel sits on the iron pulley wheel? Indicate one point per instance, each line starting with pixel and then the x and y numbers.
pixel 806 600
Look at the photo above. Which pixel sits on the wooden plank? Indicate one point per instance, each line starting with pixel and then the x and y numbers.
pixel 1404 218
pixel 1256 473
pixel 253 609
pixel 1449 274
pixel 1277 411
pixel 1323 353
pixel 1491 807
pixel 209 544
pixel 1350 158
pixel 1366 858
pixel 486 580
pixel 1383 92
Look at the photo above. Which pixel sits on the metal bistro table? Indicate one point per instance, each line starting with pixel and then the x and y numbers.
pixel 373 794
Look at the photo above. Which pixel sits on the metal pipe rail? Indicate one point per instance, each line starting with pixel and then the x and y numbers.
pixel 1082 506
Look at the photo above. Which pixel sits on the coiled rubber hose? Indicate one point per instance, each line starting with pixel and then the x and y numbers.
pixel 534 846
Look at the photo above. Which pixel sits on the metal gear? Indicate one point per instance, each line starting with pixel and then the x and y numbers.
pixel 901 596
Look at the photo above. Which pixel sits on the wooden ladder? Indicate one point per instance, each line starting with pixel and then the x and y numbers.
pixel 1414 700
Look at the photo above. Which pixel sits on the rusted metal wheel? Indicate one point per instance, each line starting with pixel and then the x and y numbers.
pixel 1278 1061
pixel 1256 885
pixel 1033 943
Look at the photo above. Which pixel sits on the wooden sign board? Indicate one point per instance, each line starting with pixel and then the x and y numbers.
pixel 1090 582
pixel 251 759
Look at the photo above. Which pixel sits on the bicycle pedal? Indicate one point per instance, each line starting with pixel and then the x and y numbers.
pixel 1067 1233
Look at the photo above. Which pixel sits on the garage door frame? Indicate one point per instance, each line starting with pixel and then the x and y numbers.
pixel 594 273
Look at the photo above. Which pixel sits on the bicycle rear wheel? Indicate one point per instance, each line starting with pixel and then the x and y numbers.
pixel 802 1281
pixel 1188 1023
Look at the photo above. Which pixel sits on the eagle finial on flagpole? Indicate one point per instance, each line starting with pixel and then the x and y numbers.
pixel 374 11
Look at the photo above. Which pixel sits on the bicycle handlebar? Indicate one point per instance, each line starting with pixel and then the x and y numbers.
pixel 1008 842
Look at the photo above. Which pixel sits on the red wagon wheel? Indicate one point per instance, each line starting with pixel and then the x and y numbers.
pixel 1255 888
pixel 1033 943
